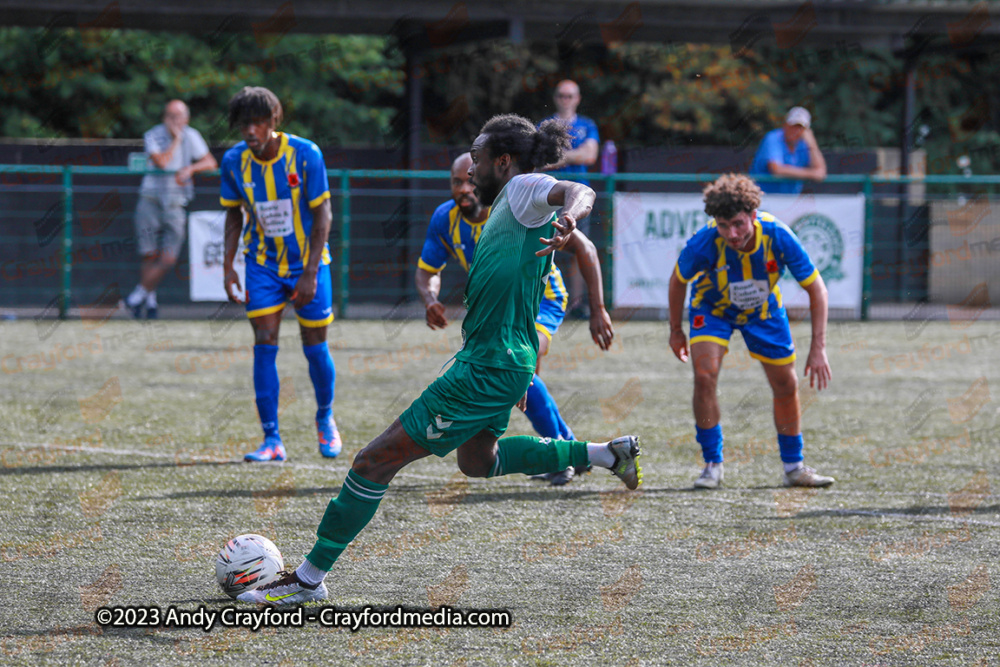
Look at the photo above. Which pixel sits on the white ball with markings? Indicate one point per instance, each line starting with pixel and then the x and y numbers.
pixel 246 562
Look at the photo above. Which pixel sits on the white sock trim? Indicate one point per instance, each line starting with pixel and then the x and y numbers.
pixel 789 467
pixel 309 574
pixel 599 454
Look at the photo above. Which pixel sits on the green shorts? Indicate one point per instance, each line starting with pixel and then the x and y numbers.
pixel 461 403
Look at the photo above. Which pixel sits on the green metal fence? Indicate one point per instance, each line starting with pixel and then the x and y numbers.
pixel 606 184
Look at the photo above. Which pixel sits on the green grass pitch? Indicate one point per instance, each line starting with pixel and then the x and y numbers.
pixel 121 479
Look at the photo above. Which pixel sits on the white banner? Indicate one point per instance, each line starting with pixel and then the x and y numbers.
pixel 652 229
pixel 206 250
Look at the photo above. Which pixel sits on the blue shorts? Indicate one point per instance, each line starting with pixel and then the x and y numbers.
pixel 767 340
pixel 267 293
pixel 550 316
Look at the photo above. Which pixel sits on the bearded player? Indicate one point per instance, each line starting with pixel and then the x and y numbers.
pixel 467 408
pixel 280 180
pixel 453 232
pixel 733 265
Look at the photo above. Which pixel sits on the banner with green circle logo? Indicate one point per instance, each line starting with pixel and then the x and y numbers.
pixel 651 229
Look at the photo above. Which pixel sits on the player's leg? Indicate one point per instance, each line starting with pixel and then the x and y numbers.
pixel 770 342
pixel 314 319
pixel 492 393
pixel 345 517
pixel 265 304
pixel 448 413
pixel 709 344
pixel 541 409
pixel 469 407
pixel 487 456
pixel 421 430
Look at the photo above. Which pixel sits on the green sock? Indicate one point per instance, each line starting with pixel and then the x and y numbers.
pixel 345 517
pixel 532 455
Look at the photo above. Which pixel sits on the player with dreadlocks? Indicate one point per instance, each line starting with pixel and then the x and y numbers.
pixel 466 409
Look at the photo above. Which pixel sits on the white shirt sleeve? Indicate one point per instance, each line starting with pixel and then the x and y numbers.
pixel 153 140
pixel 199 148
pixel 528 197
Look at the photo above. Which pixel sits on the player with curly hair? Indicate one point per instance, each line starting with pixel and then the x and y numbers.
pixel 733 265
pixel 280 180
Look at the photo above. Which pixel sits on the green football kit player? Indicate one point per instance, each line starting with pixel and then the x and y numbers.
pixel 466 409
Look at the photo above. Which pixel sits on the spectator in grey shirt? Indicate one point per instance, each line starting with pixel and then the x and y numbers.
pixel 160 218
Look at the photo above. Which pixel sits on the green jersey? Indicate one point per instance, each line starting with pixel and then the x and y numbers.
pixel 507 280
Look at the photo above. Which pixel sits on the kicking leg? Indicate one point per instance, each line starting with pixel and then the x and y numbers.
pixel 543 413
pixel 345 517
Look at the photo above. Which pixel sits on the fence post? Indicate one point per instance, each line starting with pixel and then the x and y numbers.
pixel 609 240
pixel 866 284
pixel 67 244
pixel 345 243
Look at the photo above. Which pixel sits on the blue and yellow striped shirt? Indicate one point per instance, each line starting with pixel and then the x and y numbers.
pixel 450 235
pixel 742 285
pixel 279 196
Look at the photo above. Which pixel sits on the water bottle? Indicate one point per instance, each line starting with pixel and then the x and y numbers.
pixel 609 158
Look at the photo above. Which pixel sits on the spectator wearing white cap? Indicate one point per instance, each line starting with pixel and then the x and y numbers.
pixel 791 152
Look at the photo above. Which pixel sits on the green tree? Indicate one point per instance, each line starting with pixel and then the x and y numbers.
pixel 338 90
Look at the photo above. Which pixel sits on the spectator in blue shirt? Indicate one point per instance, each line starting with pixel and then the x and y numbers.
pixel 791 152
pixel 584 150
pixel 583 131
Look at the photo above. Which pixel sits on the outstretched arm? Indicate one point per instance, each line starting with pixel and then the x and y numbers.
pixel 601 329
pixel 576 200
pixel 817 366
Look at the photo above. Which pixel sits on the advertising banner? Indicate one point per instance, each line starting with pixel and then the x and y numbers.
pixel 651 229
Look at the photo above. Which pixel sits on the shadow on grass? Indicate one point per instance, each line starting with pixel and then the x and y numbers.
pixel 245 493
pixel 278 492
pixel 40 470
pixel 916 510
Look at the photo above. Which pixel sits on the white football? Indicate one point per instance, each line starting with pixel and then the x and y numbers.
pixel 246 562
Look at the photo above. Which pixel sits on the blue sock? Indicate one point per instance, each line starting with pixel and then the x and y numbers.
pixel 564 430
pixel 542 412
pixel 790 447
pixel 323 375
pixel 710 440
pixel 266 385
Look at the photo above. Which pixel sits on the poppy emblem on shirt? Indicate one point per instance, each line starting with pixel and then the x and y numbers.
pixel 699 322
pixel 293 180
pixel 772 266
